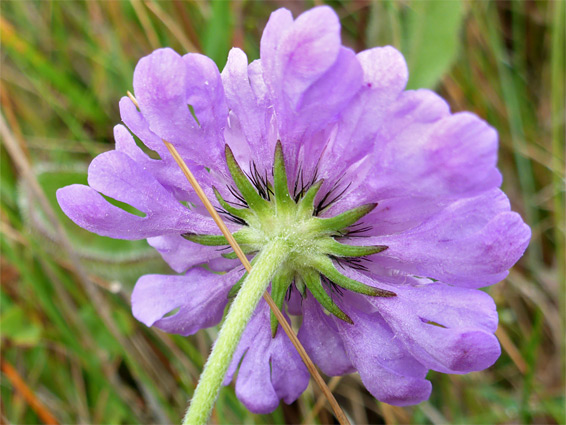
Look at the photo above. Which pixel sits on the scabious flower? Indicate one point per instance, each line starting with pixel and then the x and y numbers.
pixel 388 206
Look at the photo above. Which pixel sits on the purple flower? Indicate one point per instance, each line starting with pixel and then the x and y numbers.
pixel 390 205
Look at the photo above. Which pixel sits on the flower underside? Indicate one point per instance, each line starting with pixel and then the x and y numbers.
pixel 271 212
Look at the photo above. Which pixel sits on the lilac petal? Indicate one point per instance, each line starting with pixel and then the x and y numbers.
pixel 161 83
pixel 116 175
pixel 332 92
pixel 257 83
pixel 221 264
pixel 182 254
pixel 253 118
pixel 170 177
pixel 420 150
pixel 279 23
pixel 166 170
pixel 88 209
pixel 136 122
pixel 305 52
pixel 387 369
pixel 206 93
pixel 288 372
pixel 165 85
pixel 199 295
pixel 448 350
pixel 446 329
pixel 253 385
pixel 310 78
pixel 306 128
pixel 271 368
pixel 396 215
pixel 471 243
pixel 125 143
pixel 453 307
pixel 322 102
pixel 295 303
pixel 455 155
pixel 385 70
pixel 319 335
pixel 246 341
pixel 384 77
pixel 301 51
pixel 395 132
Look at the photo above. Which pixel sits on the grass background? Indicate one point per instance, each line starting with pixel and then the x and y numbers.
pixel 72 353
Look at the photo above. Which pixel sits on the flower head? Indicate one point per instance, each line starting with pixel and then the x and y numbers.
pixel 388 205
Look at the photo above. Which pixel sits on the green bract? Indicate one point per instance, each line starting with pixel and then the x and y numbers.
pixel 309 241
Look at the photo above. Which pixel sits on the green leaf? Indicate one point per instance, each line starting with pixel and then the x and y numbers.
pixel 341 221
pixel 338 249
pixel 306 204
pixel 313 282
pixel 246 188
pixel 432 39
pixel 325 267
pixel 217 38
pixel 279 286
pixel 282 197
pixel 244 213
pixel 18 327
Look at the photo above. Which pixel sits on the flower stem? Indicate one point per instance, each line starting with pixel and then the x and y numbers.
pixel 267 262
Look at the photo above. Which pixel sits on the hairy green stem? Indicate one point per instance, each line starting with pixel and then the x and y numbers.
pixel 267 262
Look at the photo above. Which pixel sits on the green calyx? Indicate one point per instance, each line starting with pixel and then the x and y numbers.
pixel 309 241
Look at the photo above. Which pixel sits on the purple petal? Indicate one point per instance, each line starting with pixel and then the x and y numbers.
pixel 89 210
pixel 165 85
pixel 387 369
pixel 450 306
pixel 254 387
pixel 385 70
pixel 117 176
pixel 319 335
pixel 448 350
pixel 257 83
pixel 321 104
pixel 446 329
pixel 395 215
pixel 199 295
pixel 271 368
pixel 384 77
pixel 289 374
pixel 295 303
pixel 307 51
pixel 420 150
pixel 182 254
pixel 161 83
pixel 253 118
pixel 125 143
pixel 166 171
pixel 136 122
pixel 418 153
pixel 206 93
pixel 471 243
pixel 299 52
pixel 305 67
pixel 277 26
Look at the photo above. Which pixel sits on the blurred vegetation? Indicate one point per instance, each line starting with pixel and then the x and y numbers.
pixel 72 352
